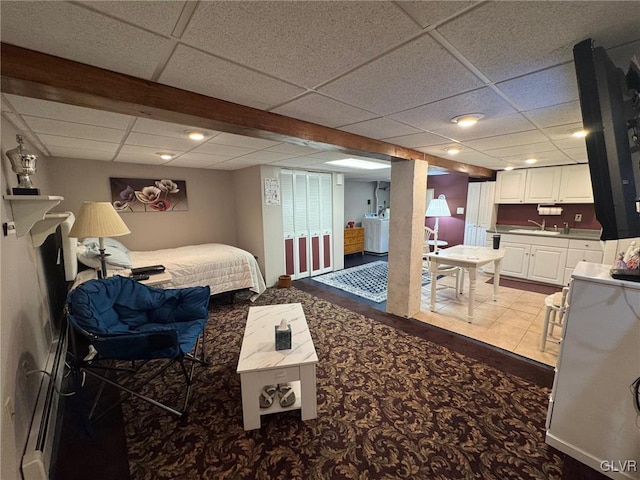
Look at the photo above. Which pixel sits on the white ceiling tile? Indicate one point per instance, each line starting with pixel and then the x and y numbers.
pixel 322 110
pixel 52 141
pixel 70 113
pixel 193 70
pixel 148 154
pixel 508 140
pixel 306 43
pixel 5 106
pixel 301 162
pixel 166 129
pixel 203 159
pixel 163 143
pixel 428 73
pixel 439 114
pixel 486 127
pixel 570 142
pixel 73 32
pixel 542 89
pixel 563 132
pixel 543 158
pixel 293 149
pixel 522 150
pixel 236 164
pixel 138 159
pixel 621 55
pixel 507 39
pixel 73 130
pixel 418 140
pixel 560 114
pixel 66 152
pixel 265 156
pixel 241 141
pixel 158 16
pixel 380 128
pixel 579 154
pixel 218 149
pixel 466 155
pixel 431 13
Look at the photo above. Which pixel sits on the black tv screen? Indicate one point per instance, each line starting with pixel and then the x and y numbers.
pixel 609 100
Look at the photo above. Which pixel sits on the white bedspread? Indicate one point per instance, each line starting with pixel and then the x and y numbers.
pixel 222 267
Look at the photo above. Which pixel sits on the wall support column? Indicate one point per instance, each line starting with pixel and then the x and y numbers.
pixel 406 236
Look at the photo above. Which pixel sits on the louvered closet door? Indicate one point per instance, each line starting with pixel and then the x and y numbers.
pixel 319 219
pixel 289 230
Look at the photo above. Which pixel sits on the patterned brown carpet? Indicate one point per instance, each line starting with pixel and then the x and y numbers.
pixel 390 405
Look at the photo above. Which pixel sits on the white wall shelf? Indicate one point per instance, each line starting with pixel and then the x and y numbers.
pixel 30 214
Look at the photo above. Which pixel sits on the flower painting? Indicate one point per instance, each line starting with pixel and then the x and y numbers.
pixel 144 195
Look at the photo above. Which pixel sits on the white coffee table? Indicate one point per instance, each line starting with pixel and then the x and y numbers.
pixel 261 364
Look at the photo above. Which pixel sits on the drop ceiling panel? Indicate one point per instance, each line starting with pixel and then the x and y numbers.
pixel 73 130
pixel 51 141
pixel 70 113
pixel 417 73
pixel 237 164
pixel 487 127
pixel 507 39
pixel 218 149
pixel 241 141
pixel 138 154
pixel 264 156
pixel 157 16
pixel 419 140
pixel 564 132
pixel 166 129
pixel 556 115
pixel 292 149
pixel 542 89
pixel 73 32
pixel 510 140
pixel 157 141
pixel 522 150
pixel 430 13
pixel 438 115
pixel 198 158
pixel 306 43
pixel 193 70
pixel 322 110
pixel 65 152
pixel 579 154
pixel 380 128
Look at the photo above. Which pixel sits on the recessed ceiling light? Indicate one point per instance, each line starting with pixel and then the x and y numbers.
pixel 453 150
pixel 165 155
pixel 530 160
pixel 467 120
pixel 509 168
pixel 195 135
pixel 357 163
pixel 579 133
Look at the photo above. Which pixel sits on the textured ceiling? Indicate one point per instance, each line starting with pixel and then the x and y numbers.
pixel 395 71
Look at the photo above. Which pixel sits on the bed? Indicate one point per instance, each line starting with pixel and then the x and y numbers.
pixel 224 268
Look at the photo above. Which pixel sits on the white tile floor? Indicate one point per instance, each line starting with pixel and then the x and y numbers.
pixel 513 322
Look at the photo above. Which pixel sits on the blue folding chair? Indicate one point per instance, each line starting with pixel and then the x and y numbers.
pixel 124 320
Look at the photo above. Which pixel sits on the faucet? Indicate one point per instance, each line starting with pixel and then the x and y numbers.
pixel 541 225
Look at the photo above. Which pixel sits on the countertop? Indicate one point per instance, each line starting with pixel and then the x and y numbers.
pixel 574 233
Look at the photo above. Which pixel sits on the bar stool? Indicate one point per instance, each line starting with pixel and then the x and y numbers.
pixel 555 308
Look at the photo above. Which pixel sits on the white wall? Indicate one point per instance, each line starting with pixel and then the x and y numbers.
pixel 25 331
pixel 356 196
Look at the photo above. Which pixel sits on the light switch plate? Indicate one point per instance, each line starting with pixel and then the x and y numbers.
pixel 460 211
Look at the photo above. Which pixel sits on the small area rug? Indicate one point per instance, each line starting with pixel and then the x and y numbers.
pixel 368 281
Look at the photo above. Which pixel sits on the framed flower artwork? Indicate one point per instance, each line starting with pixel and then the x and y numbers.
pixel 148 195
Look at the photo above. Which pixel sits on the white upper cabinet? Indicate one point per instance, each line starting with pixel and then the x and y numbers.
pixel 575 184
pixel 510 186
pixel 565 184
pixel 543 185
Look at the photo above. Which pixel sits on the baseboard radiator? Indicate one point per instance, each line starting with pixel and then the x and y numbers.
pixel 38 455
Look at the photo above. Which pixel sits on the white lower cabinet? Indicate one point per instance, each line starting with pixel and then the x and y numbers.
pixel 533 258
pixel 581 251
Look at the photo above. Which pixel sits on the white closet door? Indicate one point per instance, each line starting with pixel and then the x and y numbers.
pixel 288 223
pixel 301 208
pixel 326 222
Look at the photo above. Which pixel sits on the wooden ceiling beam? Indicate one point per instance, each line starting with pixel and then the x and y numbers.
pixel 33 74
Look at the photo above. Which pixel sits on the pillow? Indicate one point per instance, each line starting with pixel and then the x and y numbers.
pixel 89 255
pixel 108 243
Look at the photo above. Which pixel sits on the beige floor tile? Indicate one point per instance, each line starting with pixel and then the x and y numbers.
pixel 529 347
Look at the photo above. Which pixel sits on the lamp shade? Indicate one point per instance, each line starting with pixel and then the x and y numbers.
pixel 98 219
pixel 438 207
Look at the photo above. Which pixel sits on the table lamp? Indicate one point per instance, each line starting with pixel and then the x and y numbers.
pixel 98 219
pixel 437 208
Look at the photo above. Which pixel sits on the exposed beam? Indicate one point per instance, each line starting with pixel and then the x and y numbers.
pixel 33 74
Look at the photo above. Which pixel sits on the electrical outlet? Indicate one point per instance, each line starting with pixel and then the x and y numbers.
pixel 578 217
pixel 460 211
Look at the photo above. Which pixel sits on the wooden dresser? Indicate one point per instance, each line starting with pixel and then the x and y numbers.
pixel 353 240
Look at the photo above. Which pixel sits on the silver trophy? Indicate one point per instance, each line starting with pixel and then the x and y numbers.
pixel 23 163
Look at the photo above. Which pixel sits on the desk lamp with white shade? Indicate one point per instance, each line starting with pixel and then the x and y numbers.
pixel 437 208
pixel 98 219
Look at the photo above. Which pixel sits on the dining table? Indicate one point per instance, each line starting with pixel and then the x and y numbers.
pixel 470 258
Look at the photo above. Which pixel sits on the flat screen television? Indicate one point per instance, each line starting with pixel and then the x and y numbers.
pixel 610 103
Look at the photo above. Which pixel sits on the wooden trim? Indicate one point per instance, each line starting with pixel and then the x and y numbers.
pixel 33 74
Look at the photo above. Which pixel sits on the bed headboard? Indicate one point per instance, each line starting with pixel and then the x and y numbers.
pixel 69 249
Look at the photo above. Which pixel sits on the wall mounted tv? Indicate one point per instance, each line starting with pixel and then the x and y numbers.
pixel 610 103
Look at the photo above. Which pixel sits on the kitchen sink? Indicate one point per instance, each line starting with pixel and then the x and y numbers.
pixel 534 232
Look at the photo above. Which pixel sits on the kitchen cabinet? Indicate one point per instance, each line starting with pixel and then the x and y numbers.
pixel 540 259
pixel 510 186
pixel 575 184
pixel 354 240
pixel 581 251
pixel 480 212
pixel 591 415
pixel 542 185
pixel 565 184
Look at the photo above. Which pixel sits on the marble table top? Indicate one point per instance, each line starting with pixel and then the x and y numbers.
pixel 258 351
